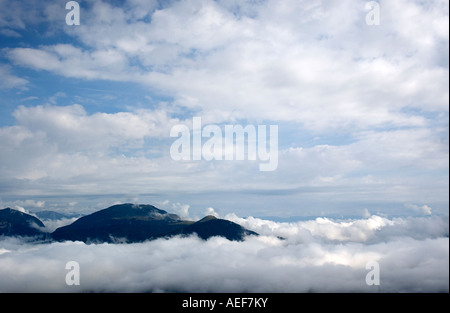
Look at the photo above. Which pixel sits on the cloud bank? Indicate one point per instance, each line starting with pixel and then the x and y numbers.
pixel 319 255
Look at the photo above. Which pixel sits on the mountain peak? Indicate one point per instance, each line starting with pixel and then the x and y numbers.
pixel 17 223
pixel 135 222
pixel 211 226
pixel 207 218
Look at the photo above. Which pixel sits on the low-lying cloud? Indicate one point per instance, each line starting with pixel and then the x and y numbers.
pixel 319 255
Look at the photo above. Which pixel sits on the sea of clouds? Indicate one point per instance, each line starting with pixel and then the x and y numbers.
pixel 320 255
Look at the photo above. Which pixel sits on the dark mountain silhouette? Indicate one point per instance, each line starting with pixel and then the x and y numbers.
pixel 135 223
pixel 16 223
pixel 211 226
pixel 123 222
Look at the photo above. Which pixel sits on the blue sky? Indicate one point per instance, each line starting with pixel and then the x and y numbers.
pixel 362 111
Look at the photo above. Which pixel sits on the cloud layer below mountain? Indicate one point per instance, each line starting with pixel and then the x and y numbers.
pixel 320 255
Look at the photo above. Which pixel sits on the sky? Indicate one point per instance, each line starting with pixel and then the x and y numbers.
pixel 357 90
pixel 86 111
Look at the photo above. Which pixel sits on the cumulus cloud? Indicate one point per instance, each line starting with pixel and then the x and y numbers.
pixel 375 97
pixel 66 148
pixel 371 229
pixel 287 62
pixel 181 209
pixel 64 142
pixel 70 127
pixel 211 211
pixel 320 255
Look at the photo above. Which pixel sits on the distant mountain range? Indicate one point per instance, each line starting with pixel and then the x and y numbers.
pixel 52 215
pixel 120 223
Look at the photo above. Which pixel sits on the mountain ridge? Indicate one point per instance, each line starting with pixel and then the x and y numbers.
pixel 134 223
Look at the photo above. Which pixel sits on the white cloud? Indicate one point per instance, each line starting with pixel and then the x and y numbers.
pixel 371 230
pixel 69 129
pixel 181 210
pixel 211 211
pixel 30 203
pixel 21 209
pixel 52 225
pixel 70 61
pixel 56 149
pixel 288 62
pixel 380 92
pixel 318 263
pixel 9 81
pixel 425 209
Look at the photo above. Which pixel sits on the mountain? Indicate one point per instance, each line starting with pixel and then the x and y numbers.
pixel 211 226
pixel 123 222
pixel 52 215
pixel 16 223
pixel 135 223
